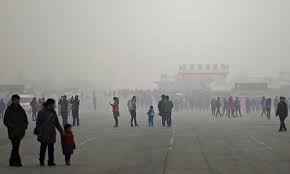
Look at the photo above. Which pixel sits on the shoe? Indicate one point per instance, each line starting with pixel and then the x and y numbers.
pixel 280 130
pixel 51 164
pixel 115 126
pixel 136 125
pixel 67 163
pixel 41 164
pixel 16 165
pixel 132 125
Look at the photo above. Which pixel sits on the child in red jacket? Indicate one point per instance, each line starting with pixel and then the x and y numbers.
pixel 68 143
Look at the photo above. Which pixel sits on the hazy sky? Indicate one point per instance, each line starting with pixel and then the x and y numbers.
pixel 129 43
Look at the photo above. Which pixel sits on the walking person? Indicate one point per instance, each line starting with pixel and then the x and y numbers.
pixel 75 111
pixel 268 107
pixel 64 110
pixel 213 106
pixel 276 102
pixel 116 111
pixel 46 125
pixel 263 104
pixel 2 108
pixel 238 106
pixel 168 110
pixel 231 107
pixel 161 106
pixel 132 109
pixel 151 114
pixel 282 112
pixel 33 105
pixel 225 106
pixel 15 120
pixel 218 107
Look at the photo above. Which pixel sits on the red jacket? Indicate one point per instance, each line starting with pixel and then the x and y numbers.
pixel 69 138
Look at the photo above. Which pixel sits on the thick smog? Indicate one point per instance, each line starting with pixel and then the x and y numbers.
pixel 135 86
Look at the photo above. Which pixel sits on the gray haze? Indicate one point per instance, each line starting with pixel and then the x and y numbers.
pixel 129 43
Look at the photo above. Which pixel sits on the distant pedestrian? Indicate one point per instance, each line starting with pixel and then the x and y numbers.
pixel 68 143
pixel 33 105
pixel 168 110
pixel 64 110
pixel 151 114
pixel 238 107
pixel 213 106
pixel 268 107
pixel 15 120
pixel 46 125
pixel 161 107
pixel 132 109
pixel 276 102
pixel 225 106
pixel 263 104
pixel 116 111
pixel 231 107
pixel 75 111
pixel 2 108
pixel 282 112
pixel 218 107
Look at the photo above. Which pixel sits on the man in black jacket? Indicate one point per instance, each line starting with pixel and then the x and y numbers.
pixel 282 112
pixel 15 120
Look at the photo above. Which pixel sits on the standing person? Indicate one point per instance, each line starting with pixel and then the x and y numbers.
pixel 2 108
pixel 116 111
pixel 64 110
pixel 132 109
pixel 94 101
pixel 263 104
pixel 70 105
pixel 46 125
pixel 15 120
pixel 151 114
pixel 68 143
pixel 39 105
pixel 248 105
pixel 225 106
pixel 276 102
pixel 213 106
pixel 268 107
pixel 75 111
pixel 238 106
pixel 168 110
pixel 231 107
pixel 161 106
pixel 282 112
pixel 33 105
pixel 218 106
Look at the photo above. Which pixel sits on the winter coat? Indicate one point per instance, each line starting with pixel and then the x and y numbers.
pixel 46 125
pixel 15 120
pixel 68 143
pixel 282 110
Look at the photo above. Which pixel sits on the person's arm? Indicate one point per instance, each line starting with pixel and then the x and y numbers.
pixel 286 111
pixel 7 121
pixel 25 120
pixel 58 126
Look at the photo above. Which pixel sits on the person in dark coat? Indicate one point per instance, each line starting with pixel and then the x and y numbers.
pixel 282 112
pixel 64 110
pixel 75 111
pixel 68 143
pixel 46 125
pixel 161 107
pixel 15 120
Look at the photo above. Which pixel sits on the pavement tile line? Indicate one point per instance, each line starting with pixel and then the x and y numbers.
pixel 261 142
pixel 170 147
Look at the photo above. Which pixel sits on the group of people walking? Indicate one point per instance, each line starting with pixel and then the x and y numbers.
pixel 230 107
pixel 165 107
pixel 15 119
pixel 66 105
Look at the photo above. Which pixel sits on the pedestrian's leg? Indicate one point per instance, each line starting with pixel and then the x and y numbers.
pixel 14 157
pixel 132 118
pixel 74 119
pixel 50 153
pixel 116 121
pixel 163 120
pixel 169 120
pixel 67 159
pixel 42 152
pixel 78 118
pixel 135 118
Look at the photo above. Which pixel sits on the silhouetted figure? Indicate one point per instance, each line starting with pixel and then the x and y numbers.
pixel 213 106
pixel 248 105
pixel 68 143
pixel 75 111
pixel 46 125
pixel 161 107
pixel 268 107
pixel 238 106
pixel 151 114
pixel 282 112
pixel 225 106
pixel 218 107
pixel 231 107
pixel 168 110
pixel 64 110
pixel 33 105
pixel 263 104
pixel 276 102
pixel 15 120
